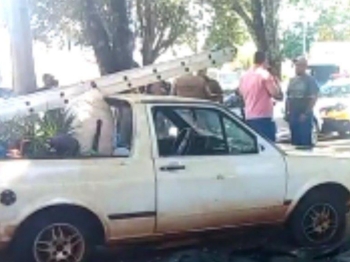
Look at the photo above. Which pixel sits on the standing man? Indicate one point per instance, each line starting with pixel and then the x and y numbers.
pixel 198 86
pixel 301 98
pixel 258 88
pixel 192 86
pixel 215 91
pixel 161 88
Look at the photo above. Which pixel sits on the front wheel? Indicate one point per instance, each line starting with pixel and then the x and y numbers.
pixel 343 133
pixel 318 220
pixel 53 238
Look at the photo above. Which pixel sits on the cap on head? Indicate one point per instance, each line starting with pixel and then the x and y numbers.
pixel 300 60
pixel 300 65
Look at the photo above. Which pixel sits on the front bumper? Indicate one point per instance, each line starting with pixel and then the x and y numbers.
pixel 333 125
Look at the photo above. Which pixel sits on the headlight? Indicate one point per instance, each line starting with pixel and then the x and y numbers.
pixel 337 112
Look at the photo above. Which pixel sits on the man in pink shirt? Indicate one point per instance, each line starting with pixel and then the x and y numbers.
pixel 258 88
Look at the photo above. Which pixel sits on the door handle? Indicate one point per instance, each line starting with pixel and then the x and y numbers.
pixel 172 168
pixel 220 177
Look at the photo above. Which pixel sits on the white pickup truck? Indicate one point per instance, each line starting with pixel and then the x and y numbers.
pixel 182 166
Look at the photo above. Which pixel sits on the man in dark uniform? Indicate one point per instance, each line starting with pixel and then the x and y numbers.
pixel 215 91
pixel 301 98
pixel 191 86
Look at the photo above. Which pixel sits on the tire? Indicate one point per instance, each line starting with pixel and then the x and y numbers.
pixel 342 134
pixel 318 202
pixel 51 226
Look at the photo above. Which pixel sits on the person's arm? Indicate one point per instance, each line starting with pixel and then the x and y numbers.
pixel 313 93
pixel 287 110
pixel 279 92
pixel 208 94
pixel 215 91
pixel 273 87
pixel 287 105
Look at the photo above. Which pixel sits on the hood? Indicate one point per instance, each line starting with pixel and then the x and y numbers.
pixel 318 166
pixel 335 152
pixel 331 101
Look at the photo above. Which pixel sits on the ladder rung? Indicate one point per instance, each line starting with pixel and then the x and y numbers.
pixel 60 97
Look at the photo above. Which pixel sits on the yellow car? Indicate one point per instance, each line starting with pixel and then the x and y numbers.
pixel 336 119
pixel 333 104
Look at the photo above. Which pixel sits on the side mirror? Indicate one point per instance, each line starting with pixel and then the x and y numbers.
pixel 262 148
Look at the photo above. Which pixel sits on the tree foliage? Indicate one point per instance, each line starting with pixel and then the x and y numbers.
pixel 293 40
pixel 103 25
pixel 111 27
pixel 160 24
pixel 226 28
pixel 261 18
pixel 332 21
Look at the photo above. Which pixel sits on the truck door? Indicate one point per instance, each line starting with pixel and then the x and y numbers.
pixel 211 171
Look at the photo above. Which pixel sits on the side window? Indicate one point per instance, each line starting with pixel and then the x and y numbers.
pixel 170 127
pixel 209 121
pixel 188 132
pixel 209 137
pixel 124 130
pixel 239 140
pixel 200 132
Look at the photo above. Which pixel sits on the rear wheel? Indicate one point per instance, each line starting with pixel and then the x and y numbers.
pixel 51 238
pixel 319 220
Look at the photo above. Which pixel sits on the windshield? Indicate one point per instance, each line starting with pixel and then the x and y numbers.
pixel 332 90
pixel 322 73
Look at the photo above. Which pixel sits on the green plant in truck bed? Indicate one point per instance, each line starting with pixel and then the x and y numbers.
pixel 37 130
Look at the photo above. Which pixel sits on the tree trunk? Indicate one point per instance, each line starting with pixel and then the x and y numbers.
pixel 258 25
pixel 147 56
pixel 113 55
pixel 123 38
pixel 98 37
pixel 23 75
pixel 262 24
pixel 271 8
pixel 147 12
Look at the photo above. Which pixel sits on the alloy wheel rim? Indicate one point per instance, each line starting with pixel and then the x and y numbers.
pixel 320 223
pixel 59 243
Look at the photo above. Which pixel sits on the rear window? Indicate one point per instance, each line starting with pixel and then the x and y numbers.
pixel 124 129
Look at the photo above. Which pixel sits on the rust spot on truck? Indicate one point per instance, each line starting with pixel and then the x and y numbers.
pixel 9 232
pixel 184 230
pixel 234 218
